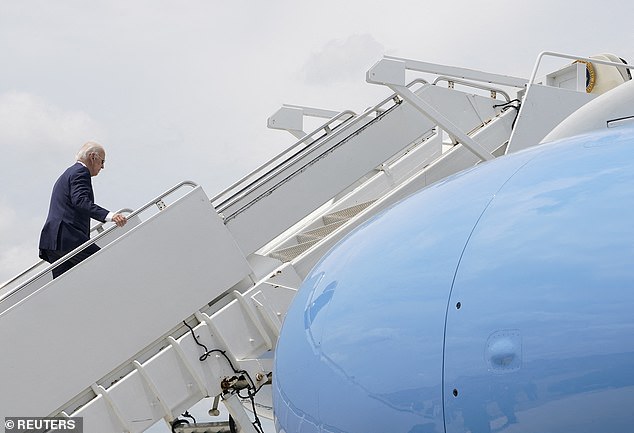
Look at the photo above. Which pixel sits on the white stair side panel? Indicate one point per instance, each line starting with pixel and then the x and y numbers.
pixel 284 277
pixel 172 379
pixel 274 300
pixel 93 318
pixel 417 159
pixel 134 403
pixel 262 266
pixel 206 373
pixel 278 297
pixel 309 183
pixel 305 185
pixel 543 108
pixel 235 324
pixel 293 161
pixel 98 417
pixel 178 384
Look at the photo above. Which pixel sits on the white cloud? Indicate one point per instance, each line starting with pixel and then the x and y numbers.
pixel 7 219
pixel 18 249
pixel 31 123
pixel 343 60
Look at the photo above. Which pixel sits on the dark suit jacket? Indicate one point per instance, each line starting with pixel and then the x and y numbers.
pixel 72 206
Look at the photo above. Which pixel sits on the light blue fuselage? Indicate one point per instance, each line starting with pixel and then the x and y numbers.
pixel 498 300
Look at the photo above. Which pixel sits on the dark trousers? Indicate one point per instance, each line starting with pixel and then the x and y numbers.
pixel 51 256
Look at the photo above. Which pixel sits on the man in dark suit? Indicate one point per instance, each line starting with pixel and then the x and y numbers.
pixel 72 206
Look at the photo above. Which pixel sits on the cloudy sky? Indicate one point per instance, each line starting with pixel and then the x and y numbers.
pixel 182 89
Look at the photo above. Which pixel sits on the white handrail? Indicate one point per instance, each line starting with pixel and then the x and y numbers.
pixel 325 127
pixel 90 242
pixel 453 71
pixel 572 57
pixel 254 184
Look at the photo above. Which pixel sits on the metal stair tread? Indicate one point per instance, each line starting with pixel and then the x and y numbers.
pixel 319 232
pixel 345 214
pixel 289 253
pixel 310 237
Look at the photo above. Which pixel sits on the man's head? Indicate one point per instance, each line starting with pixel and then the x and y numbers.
pixel 94 156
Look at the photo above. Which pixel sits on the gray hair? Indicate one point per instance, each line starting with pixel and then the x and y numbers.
pixel 88 149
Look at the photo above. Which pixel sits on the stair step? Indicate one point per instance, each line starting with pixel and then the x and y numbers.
pixel 288 254
pixel 345 214
pixel 319 232
pixel 309 238
pixel 204 427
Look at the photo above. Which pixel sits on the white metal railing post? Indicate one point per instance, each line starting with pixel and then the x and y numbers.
pixel 391 73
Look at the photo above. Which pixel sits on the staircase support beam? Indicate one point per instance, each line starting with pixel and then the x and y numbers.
pixel 442 121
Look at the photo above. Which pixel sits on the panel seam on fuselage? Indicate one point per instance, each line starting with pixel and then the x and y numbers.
pixel 464 248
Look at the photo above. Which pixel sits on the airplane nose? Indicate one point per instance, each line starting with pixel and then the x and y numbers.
pixel 496 299
pixel 361 348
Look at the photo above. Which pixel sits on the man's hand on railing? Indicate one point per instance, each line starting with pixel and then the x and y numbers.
pixel 119 219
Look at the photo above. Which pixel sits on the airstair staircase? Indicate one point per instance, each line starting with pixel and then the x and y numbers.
pixel 187 300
